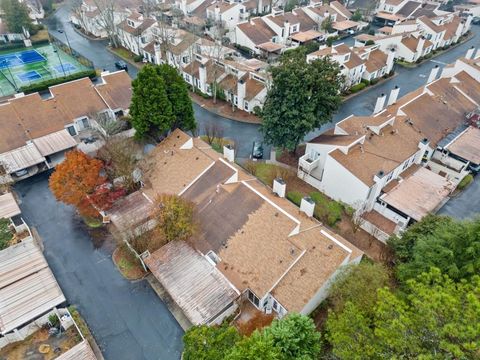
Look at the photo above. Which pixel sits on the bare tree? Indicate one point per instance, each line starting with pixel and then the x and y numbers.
pixel 213 132
pixel 106 19
pixel 120 156
pixel 78 13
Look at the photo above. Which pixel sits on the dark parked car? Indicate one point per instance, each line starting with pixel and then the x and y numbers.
pixel 257 151
pixel 121 65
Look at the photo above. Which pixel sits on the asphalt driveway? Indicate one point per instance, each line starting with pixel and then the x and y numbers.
pixel 127 319
pixel 466 205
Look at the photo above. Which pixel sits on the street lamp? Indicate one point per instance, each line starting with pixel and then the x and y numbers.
pixel 60 60
pixel 11 75
pixel 68 41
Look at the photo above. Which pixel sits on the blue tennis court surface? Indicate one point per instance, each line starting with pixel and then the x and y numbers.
pixel 29 76
pixel 64 67
pixel 20 58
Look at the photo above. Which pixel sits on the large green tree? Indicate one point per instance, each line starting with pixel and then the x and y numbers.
pixel 451 245
pixel 16 16
pixel 295 336
pixel 255 347
pixel 209 342
pixel 160 102
pixel 435 318
pixel 358 284
pixel 303 96
pixel 177 93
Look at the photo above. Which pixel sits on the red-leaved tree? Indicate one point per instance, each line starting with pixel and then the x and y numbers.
pixel 75 179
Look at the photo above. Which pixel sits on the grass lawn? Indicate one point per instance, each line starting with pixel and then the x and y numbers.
pixel 123 53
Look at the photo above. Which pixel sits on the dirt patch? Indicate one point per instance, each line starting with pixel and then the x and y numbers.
pixel 373 248
pixel 29 349
pixel 258 321
pixel 289 158
pixel 127 263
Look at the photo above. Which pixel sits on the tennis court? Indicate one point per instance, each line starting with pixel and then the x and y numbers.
pixel 28 66
pixel 20 58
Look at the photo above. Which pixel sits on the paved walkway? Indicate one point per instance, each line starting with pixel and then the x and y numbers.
pixel 127 319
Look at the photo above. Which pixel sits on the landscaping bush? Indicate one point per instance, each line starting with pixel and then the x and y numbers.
pixel 198 92
pixel 366 82
pixel 44 85
pixel 358 87
pixel 257 110
pixel 138 58
pixel 467 180
pixel 370 42
pixel 374 81
pixel 295 197
pixel 327 210
pixel 5 234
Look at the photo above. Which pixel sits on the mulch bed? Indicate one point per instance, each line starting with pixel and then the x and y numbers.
pixel 128 265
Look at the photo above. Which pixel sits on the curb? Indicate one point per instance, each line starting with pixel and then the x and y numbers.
pixel 85 35
pixel 222 115
pixel 415 65
pixel 370 87
pixel 109 49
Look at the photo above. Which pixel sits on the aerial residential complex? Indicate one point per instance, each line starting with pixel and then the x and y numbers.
pixel 133 210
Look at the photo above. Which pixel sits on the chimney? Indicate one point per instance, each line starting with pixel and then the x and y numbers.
pixel 421 42
pixel 202 71
pixel 393 95
pixel 158 53
pixel 241 90
pixel 379 176
pixel 307 206
pixel 229 153
pixel 470 52
pixel 433 74
pixel 390 60
pixel 477 55
pixel 379 104
pixel 279 187
pixel 286 26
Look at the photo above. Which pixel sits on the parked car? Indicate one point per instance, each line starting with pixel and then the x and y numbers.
pixel 121 65
pixel 257 150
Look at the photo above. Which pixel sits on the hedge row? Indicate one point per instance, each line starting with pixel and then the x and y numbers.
pixel 44 85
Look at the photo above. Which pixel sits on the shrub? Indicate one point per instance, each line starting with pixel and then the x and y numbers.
pixel 5 234
pixel 358 87
pixel 467 180
pixel 53 320
pixel 251 167
pixel 295 197
pixel 138 58
pixel 374 81
pixel 327 210
pixel 257 110
pixel 370 42
pixel 44 85
pixel 366 82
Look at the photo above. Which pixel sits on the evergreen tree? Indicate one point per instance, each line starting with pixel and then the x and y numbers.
pixel 434 318
pixel 160 102
pixel 177 93
pixel 151 111
pixel 303 97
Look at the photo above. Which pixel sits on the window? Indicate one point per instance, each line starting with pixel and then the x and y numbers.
pixel 71 130
pixel 390 177
pixel 405 165
pixel 253 299
pixel 275 305
pixel 246 105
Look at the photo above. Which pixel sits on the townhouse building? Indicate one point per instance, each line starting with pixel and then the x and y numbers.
pixel 387 165
pixel 357 64
pixel 39 129
pixel 266 252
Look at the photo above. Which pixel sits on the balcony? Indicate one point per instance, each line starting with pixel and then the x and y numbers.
pixel 307 164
